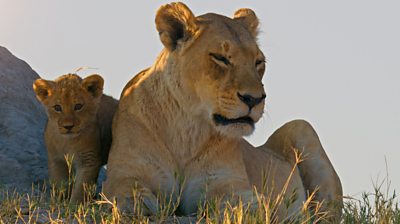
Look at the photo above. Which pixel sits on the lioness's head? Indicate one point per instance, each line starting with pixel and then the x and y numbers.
pixel 71 102
pixel 215 65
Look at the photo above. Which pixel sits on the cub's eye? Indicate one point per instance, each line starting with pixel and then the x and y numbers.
pixel 78 107
pixel 220 59
pixel 259 62
pixel 57 108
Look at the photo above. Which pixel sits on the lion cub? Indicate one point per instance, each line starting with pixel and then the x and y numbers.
pixel 79 124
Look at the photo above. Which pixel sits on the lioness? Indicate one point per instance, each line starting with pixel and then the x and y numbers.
pixel 79 124
pixel 180 123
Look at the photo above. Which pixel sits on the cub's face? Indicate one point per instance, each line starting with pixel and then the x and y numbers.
pixel 71 102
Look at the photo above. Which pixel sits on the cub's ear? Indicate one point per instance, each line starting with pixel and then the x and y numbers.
pixel 94 85
pixel 175 22
pixel 248 19
pixel 43 89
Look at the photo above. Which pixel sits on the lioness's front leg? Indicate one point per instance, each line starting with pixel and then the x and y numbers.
pixel 140 189
pixel 131 196
pixel 222 176
pixel 139 166
pixel 317 172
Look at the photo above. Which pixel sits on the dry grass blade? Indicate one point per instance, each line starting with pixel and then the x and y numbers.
pixel 83 68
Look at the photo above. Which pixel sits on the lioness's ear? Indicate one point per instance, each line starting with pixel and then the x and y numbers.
pixel 94 85
pixel 175 22
pixel 248 19
pixel 43 89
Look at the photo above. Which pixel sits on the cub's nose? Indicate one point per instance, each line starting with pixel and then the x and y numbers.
pixel 69 127
pixel 250 100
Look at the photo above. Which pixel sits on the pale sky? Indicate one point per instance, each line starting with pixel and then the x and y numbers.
pixel 333 63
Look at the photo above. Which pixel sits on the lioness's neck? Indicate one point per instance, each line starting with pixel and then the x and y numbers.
pixel 162 109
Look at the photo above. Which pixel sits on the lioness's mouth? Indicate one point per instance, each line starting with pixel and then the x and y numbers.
pixel 219 119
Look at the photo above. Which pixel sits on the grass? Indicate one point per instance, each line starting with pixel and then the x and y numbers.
pixel 379 206
pixel 51 206
pixel 47 203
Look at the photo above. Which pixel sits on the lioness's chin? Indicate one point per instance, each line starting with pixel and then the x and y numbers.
pixel 237 127
pixel 235 130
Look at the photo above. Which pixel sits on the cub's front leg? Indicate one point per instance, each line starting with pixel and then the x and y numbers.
pixel 88 165
pixel 58 170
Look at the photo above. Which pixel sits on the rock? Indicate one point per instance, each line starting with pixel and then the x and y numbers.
pixel 23 158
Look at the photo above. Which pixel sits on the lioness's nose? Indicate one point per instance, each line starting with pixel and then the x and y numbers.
pixel 251 101
pixel 69 127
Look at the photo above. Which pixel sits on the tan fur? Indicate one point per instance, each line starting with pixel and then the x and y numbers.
pixel 170 135
pixel 79 124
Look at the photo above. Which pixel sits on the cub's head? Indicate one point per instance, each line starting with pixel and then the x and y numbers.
pixel 216 64
pixel 71 102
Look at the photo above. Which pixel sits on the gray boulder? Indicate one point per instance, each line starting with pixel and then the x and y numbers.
pixel 23 158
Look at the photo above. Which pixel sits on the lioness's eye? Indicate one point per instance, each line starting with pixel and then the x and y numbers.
pixel 220 58
pixel 78 106
pixel 259 62
pixel 57 108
